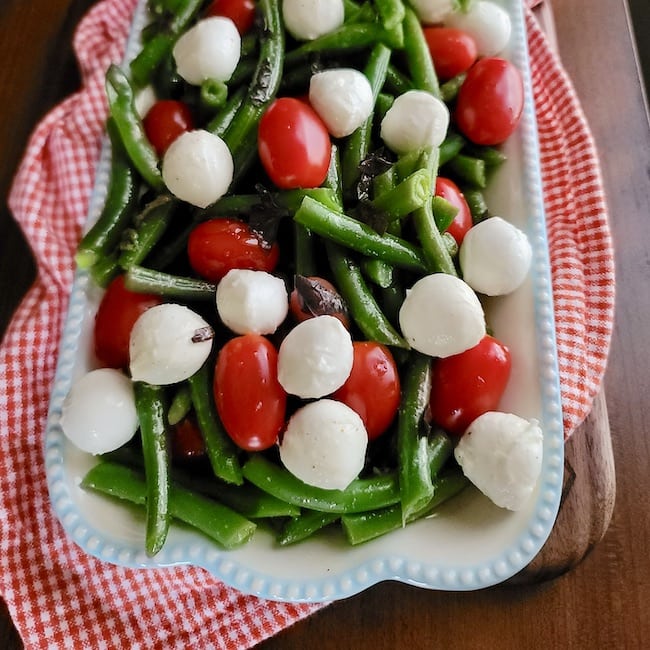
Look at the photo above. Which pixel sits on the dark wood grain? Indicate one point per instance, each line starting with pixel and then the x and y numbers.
pixel 602 601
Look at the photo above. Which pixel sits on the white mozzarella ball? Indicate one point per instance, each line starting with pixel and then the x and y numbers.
pixel 324 444
pixel 342 98
pixel 252 301
pixel 441 316
pixel 306 20
pixel 487 23
pixel 209 50
pixel 315 358
pixel 416 120
pixel 433 11
pixel 495 257
pixel 198 168
pixel 144 100
pixel 168 344
pixel 99 414
pixel 501 454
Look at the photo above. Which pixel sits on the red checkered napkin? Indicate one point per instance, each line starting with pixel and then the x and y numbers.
pixel 60 597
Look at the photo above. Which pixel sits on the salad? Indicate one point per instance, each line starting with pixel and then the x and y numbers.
pixel 294 248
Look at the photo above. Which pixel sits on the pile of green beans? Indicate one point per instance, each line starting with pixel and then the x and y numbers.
pixel 373 234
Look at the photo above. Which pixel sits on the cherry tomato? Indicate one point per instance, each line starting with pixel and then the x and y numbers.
pixel 241 12
pixel 452 50
pixel 165 121
pixel 373 387
pixel 219 245
pixel 249 398
pixel 469 384
pixel 462 222
pixel 490 101
pixel 116 315
pixel 314 296
pixel 294 144
pixel 187 440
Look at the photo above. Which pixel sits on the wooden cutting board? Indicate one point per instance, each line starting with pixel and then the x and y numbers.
pixel 587 499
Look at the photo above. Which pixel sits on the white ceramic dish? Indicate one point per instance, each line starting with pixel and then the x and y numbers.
pixel 468 544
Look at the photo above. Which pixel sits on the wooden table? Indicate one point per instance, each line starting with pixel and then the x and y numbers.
pixel 600 598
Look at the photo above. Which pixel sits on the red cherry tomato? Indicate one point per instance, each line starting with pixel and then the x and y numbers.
pixel 314 296
pixel 294 144
pixel 452 50
pixel 241 12
pixel 116 315
pixel 462 222
pixel 165 121
pixel 490 101
pixel 219 245
pixel 250 401
pixel 187 440
pixel 469 384
pixel 373 387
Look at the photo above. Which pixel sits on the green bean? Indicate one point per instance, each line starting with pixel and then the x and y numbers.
pixel 361 495
pixel 161 44
pixel 222 453
pixel 152 411
pixel 418 57
pixel 350 36
pixel 405 197
pixel 397 82
pixel 225 526
pixel 143 280
pixel 105 269
pixel 150 226
pixel 362 305
pixel 416 488
pixel 213 94
pixel 477 205
pixel 391 12
pixel 449 90
pixel 491 156
pixel 433 247
pixel 262 89
pixel 349 232
pixel 469 169
pixel 450 147
pixel 450 244
pixel 304 251
pixel 117 210
pixel 382 106
pixel 129 125
pixel 305 525
pixel 358 143
pixel 378 272
pixel 444 212
pixel 365 526
pixel 219 123
pixel 181 404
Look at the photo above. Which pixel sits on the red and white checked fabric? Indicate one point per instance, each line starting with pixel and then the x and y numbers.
pixel 60 597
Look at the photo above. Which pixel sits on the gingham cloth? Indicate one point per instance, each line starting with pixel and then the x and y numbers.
pixel 60 597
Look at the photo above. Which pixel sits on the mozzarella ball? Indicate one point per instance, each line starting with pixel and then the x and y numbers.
pixel 99 414
pixel 324 444
pixel 416 120
pixel 168 344
pixel 252 301
pixel 501 454
pixel 495 257
pixel 306 20
pixel 441 316
pixel 315 358
pixel 342 98
pixel 198 168
pixel 209 50
pixel 433 11
pixel 487 23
